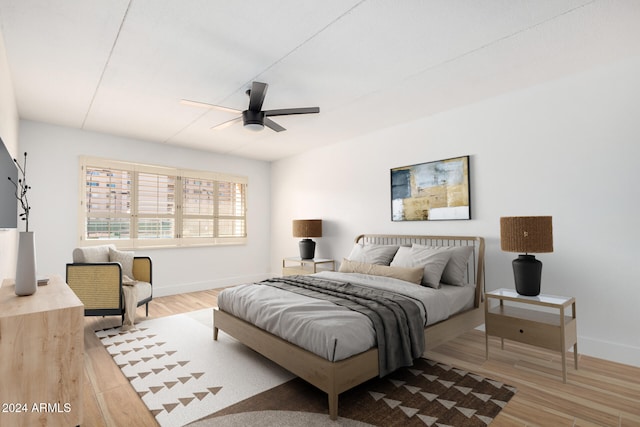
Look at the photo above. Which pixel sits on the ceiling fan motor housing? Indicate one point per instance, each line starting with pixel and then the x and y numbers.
pixel 253 119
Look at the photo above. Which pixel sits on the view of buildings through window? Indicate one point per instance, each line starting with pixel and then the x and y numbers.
pixel 126 204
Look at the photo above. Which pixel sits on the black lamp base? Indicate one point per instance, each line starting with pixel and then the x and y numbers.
pixel 527 271
pixel 307 248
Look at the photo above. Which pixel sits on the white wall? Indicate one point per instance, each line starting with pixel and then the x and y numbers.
pixel 567 148
pixel 9 134
pixel 53 172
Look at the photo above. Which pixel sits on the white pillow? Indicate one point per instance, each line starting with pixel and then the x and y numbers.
pixel 125 259
pixel 92 254
pixel 372 254
pixel 432 260
pixel 455 271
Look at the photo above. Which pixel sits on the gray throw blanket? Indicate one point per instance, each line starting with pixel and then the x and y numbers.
pixel 396 319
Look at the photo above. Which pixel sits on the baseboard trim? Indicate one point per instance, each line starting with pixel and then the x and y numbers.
pixel 608 350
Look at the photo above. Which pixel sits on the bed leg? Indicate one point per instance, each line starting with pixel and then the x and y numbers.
pixel 215 333
pixel 333 406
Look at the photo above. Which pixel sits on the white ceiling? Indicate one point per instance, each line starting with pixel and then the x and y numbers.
pixel 122 66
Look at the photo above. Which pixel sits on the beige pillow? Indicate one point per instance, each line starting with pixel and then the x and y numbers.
pixel 125 258
pixel 433 261
pixel 413 275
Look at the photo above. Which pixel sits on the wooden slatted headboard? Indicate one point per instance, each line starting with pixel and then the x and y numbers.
pixel 475 268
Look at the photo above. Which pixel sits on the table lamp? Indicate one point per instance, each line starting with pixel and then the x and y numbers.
pixel 307 228
pixel 528 234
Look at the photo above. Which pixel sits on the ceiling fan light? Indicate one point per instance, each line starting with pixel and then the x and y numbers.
pixel 254 127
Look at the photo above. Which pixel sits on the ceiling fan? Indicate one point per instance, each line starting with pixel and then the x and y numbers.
pixel 254 118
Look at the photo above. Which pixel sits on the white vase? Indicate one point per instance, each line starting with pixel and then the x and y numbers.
pixel 26 282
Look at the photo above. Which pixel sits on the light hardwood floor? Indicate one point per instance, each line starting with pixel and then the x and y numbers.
pixel 600 393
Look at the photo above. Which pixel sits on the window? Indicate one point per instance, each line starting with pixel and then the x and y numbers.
pixel 134 205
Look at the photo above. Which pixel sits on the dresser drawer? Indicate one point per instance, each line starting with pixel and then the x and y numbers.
pixel 529 327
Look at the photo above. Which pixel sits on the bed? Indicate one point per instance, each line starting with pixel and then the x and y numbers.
pixel 339 369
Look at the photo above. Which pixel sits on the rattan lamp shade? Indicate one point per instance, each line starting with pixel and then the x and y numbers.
pixel 307 228
pixel 526 234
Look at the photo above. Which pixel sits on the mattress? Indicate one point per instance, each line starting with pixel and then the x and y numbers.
pixel 328 330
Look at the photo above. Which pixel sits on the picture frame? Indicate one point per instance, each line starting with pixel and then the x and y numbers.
pixel 431 191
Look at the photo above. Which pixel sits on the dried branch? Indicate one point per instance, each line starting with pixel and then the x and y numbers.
pixel 21 191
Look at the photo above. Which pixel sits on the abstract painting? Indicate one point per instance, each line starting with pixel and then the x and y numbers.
pixel 431 191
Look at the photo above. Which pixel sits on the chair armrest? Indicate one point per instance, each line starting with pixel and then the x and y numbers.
pixel 142 269
pixel 98 286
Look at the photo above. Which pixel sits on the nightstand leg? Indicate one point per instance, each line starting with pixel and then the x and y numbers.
pixel 502 343
pixel 575 346
pixel 564 366
pixel 486 345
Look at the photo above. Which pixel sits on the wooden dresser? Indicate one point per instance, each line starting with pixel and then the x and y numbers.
pixel 41 356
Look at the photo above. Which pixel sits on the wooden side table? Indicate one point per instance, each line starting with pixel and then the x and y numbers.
pixel 306 266
pixel 519 322
pixel 42 356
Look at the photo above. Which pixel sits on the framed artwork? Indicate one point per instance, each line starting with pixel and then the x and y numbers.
pixel 431 191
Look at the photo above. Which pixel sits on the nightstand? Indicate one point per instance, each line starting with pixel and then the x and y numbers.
pixel 515 318
pixel 297 265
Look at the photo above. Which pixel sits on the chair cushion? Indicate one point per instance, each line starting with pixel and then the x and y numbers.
pixel 143 290
pixel 92 254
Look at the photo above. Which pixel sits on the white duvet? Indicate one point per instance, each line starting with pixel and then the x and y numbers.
pixel 328 330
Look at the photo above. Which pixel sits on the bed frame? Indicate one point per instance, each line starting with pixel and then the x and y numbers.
pixel 336 377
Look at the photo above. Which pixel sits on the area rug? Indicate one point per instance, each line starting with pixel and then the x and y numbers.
pixel 184 377
pixel 182 374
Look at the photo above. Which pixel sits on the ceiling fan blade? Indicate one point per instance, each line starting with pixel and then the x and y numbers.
pixel 226 124
pixel 256 95
pixel 210 106
pixel 273 125
pixel 289 111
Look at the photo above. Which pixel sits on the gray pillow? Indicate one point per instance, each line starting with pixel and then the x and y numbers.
pixel 372 254
pixel 432 260
pixel 455 271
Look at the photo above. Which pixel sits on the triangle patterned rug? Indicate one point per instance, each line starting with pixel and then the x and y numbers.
pixel 182 376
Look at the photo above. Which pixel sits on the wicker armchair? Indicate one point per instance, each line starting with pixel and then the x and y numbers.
pixel 98 281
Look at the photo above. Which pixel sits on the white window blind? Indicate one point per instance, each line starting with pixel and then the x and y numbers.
pixel 108 203
pixel 133 205
pixel 156 213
